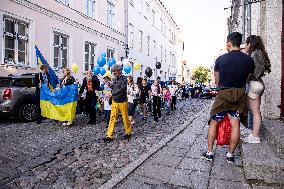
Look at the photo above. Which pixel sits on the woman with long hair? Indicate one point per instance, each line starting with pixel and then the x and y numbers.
pixel 255 48
pixel 144 97
pixel 66 80
pixel 132 92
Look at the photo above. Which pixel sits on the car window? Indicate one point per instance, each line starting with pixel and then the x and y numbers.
pixel 5 82
pixel 22 82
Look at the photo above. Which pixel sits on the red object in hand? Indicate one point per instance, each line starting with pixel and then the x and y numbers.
pixel 224 131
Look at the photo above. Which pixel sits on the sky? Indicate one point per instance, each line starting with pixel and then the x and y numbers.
pixel 203 28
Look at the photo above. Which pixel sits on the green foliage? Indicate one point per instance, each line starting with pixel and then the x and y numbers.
pixel 201 74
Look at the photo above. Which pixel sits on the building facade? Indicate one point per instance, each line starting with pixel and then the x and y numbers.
pixel 78 31
pixel 152 37
pixel 65 31
pixel 264 18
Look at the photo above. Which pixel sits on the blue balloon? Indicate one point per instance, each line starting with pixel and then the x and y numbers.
pixel 104 54
pixel 111 62
pixel 127 69
pixel 96 70
pixel 101 61
pixel 102 71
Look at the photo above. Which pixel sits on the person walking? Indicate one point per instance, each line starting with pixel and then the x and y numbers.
pixel 119 103
pixel 231 73
pixel 173 89
pixel 132 93
pixel 91 84
pixel 41 78
pixel 255 48
pixel 66 80
pixel 144 97
pixel 168 99
pixel 156 93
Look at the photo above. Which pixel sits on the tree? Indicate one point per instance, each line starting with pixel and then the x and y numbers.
pixel 201 74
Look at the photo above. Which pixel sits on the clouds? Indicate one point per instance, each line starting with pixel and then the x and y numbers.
pixel 203 25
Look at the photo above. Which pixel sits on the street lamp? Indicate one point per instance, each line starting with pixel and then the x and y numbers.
pixel 126 51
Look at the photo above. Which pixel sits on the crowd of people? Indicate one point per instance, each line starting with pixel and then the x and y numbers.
pixel 115 96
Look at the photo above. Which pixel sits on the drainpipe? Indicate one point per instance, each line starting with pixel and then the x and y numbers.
pixel 126 26
pixel 249 18
pixel 244 20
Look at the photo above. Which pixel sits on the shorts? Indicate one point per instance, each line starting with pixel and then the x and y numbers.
pixel 220 116
pixel 131 109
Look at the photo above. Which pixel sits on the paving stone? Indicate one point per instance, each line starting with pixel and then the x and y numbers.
pixel 195 164
pixel 156 172
pixel 199 179
pixel 164 160
pixel 181 178
pixel 180 152
pixel 227 172
pixel 224 184
pixel 130 183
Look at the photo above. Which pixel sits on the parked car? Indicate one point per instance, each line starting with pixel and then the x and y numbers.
pixel 214 91
pixel 206 93
pixel 17 97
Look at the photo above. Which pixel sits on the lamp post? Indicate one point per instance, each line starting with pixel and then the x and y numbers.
pixel 126 51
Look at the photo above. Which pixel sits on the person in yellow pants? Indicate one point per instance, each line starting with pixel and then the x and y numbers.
pixel 119 103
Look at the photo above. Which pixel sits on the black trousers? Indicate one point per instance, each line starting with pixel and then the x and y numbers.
pixel 156 107
pixel 91 103
pixel 39 116
pixel 174 103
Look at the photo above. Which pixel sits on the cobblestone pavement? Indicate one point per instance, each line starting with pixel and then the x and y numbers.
pixel 179 165
pixel 52 156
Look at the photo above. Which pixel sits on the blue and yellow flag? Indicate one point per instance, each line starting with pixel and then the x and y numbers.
pixel 53 80
pixel 59 105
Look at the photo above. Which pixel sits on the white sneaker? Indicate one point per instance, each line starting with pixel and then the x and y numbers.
pixel 64 124
pixel 251 139
pixel 69 123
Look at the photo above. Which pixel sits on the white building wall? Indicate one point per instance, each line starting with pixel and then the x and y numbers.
pixel 142 22
pixel 45 17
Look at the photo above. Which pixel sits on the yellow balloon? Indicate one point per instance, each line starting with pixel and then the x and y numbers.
pixel 137 66
pixel 75 68
pixel 108 73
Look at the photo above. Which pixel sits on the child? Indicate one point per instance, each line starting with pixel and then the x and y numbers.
pixel 107 101
pixel 168 99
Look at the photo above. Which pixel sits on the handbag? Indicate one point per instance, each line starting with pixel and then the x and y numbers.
pixel 224 131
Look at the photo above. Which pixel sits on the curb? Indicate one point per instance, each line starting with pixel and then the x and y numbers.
pixel 115 180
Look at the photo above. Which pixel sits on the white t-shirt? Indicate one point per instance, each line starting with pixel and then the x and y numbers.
pixel 173 89
pixel 107 106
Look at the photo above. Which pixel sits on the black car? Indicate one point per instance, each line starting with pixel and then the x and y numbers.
pixel 17 97
pixel 206 93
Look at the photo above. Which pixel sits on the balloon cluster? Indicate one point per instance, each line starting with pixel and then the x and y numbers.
pixel 102 65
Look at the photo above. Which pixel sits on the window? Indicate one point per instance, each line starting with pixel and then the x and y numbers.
pixel 110 54
pixel 148 45
pixel 140 47
pixel 147 12
pixel 162 25
pixel 90 8
pixel 16 41
pixel 110 13
pixel 154 44
pixel 131 36
pixel 170 35
pixel 64 2
pixel 153 17
pixel 60 47
pixel 161 53
pixel 165 31
pixel 90 49
pixel 174 39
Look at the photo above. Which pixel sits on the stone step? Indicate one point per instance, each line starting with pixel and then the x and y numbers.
pixel 273 131
pixel 261 164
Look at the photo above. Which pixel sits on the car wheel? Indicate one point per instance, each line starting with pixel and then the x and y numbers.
pixel 28 112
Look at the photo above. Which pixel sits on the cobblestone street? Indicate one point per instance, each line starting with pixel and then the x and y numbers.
pixel 49 155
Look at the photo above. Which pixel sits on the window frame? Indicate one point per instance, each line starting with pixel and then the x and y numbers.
pixel 131 36
pixel 90 55
pixel 90 5
pixel 140 43
pixel 60 49
pixel 110 13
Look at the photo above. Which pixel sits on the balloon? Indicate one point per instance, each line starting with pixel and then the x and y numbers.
pixel 127 69
pixel 149 72
pixel 111 62
pixel 158 65
pixel 104 54
pixel 108 73
pixel 96 70
pixel 74 68
pixel 102 71
pixel 137 66
pixel 101 61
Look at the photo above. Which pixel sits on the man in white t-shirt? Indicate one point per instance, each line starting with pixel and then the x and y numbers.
pixel 173 89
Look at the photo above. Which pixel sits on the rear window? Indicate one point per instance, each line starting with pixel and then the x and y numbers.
pixel 5 82
pixel 23 82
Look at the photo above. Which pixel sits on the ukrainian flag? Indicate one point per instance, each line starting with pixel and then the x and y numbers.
pixel 59 105
pixel 53 80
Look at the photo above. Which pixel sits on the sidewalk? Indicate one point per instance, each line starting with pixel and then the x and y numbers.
pixel 179 164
